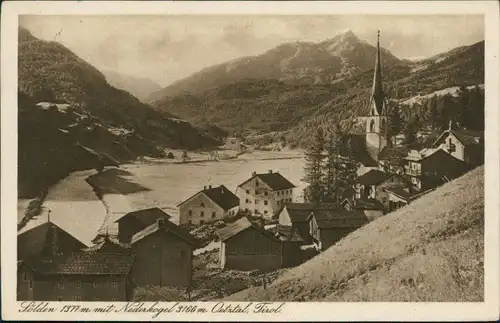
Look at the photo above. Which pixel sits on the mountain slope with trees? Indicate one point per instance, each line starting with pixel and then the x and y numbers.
pixel 64 103
pixel 292 104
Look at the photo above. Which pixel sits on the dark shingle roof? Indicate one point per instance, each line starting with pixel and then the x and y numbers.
pixel 373 177
pixel 146 216
pixel 340 218
pixel 393 153
pixel 300 212
pixel 86 263
pixel 168 226
pixel 368 204
pixel 288 233
pixel 238 226
pixel 222 197
pixel 467 137
pixel 108 243
pixel 275 181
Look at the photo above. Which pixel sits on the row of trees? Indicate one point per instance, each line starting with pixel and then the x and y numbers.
pixel 328 171
pixel 465 109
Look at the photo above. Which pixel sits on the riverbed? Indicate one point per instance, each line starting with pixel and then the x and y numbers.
pixel 77 208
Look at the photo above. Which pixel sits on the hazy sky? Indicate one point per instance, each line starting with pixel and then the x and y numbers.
pixel 168 48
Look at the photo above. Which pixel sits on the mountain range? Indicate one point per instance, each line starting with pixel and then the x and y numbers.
pixel 140 87
pixel 296 87
pixel 66 104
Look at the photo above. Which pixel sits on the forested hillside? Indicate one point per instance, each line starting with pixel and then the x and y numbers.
pixel 64 101
pixel 249 106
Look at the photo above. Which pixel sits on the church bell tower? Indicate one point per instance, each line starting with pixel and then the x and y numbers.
pixel 376 122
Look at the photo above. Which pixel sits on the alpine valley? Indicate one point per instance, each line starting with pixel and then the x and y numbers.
pixel 288 90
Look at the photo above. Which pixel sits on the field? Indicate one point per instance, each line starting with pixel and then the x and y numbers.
pixel 83 201
pixel 430 250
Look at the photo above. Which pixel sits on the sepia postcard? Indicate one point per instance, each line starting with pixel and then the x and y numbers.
pixel 250 161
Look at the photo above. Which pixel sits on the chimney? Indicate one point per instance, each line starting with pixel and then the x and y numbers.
pixel 254 173
pixel 270 171
pixel 209 186
pixel 204 187
pixel 161 222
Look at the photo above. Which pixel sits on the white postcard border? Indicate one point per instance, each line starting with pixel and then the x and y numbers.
pixel 311 311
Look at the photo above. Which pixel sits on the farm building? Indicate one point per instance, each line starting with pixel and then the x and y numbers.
pixel 264 194
pixel 466 145
pixel 431 168
pixel 329 226
pixel 373 183
pixel 208 205
pixel 164 253
pixel 133 222
pixel 45 239
pixel 372 208
pixel 247 246
pixel 84 276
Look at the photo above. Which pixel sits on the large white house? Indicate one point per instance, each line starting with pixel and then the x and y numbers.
pixel 208 205
pixel 264 194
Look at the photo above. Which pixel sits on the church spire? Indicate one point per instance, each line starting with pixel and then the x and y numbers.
pixel 377 97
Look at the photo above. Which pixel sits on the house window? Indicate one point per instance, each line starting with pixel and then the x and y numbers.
pixel 246 209
pixel 265 211
pixel 59 298
pixel 190 213
pixel 248 191
pixel 265 202
pixel 201 222
pixel 256 183
pixel 60 284
pixel 247 201
pixel 213 214
pixel 265 193
pixel 30 284
pixel 256 201
pixel 182 253
pixel 202 204
pixel 77 298
pixel 114 284
pixel 202 214
pixel 190 222
pixel 256 211
pixel 78 284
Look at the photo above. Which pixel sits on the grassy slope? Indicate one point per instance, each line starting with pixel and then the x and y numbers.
pixel 431 250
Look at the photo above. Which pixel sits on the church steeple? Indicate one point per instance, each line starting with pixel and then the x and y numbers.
pixel 377 96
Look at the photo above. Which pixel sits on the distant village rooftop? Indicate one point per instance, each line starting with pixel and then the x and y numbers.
pixel 220 195
pixel 274 180
pixel 164 224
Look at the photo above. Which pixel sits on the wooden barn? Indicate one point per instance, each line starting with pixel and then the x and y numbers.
pixel 329 226
pixel 246 246
pixel 83 276
pixel 164 255
pixel 136 221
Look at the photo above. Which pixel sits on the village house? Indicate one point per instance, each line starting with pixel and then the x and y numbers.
pixel 430 168
pixel 264 194
pixel 372 208
pixel 208 205
pixel 372 185
pixel 328 226
pixel 399 197
pixel 466 145
pixel 163 255
pixel 45 239
pixel 83 276
pixel 133 222
pixel 247 246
